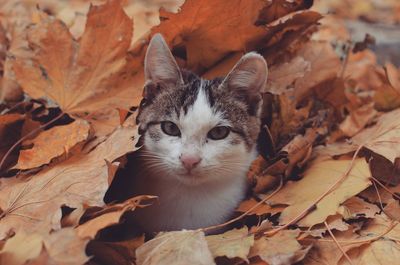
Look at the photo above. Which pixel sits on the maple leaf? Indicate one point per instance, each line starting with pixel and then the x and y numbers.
pixel 180 248
pixel 81 76
pixel 34 204
pixel 62 139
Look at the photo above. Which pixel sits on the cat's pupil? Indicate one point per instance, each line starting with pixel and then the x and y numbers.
pixel 170 128
pixel 218 133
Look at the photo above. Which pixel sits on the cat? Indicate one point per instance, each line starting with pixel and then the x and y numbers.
pixel 199 139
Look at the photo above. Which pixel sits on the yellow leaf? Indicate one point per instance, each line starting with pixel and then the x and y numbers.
pixel 232 244
pixel 316 181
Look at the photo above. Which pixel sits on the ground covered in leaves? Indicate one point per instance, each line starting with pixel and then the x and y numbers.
pixel 324 190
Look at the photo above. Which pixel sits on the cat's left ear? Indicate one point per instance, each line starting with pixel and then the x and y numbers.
pixel 160 67
pixel 248 78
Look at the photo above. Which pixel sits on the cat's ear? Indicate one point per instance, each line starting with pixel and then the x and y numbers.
pixel 160 67
pixel 248 78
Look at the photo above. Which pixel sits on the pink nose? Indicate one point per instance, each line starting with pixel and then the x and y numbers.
pixel 190 161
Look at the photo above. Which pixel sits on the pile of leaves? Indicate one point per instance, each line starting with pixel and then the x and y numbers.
pixel 324 190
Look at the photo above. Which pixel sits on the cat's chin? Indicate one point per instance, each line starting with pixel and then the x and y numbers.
pixel 192 178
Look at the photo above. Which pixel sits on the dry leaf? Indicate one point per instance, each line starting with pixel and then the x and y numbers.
pixel 34 204
pixel 233 243
pixel 356 207
pixel 111 215
pixel 81 76
pixel 383 136
pixel 10 131
pixel 66 248
pixel 284 75
pixel 357 120
pixel 326 251
pixel 280 249
pixel 53 143
pixel 21 248
pixel 318 178
pixel 260 210
pixel 180 248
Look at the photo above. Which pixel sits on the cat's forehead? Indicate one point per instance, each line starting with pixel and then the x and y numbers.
pixel 199 117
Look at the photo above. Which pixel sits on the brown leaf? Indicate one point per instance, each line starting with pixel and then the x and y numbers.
pixel 282 76
pixel 81 76
pixel 358 119
pixel 280 249
pixel 34 204
pixel 384 137
pixel 21 248
pixel 324 66
pixel 10 131
pixel 356 207
pixel 326 251
pixel 232 244
pixel 260 210
pixel 180 248
pixel 318 178
pixel 65 247
pixel 121 252
pixel 53 143
pixel 111 215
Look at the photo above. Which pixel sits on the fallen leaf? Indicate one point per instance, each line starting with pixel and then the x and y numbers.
pixel 356 207
pixel 282 76
pixel 34 204
pixel 10 132
pixel 326 251
pixel 53 143
pixel 381 137
pixel 66 248
pixel 21 248
pixel 378 252
pixel 232 244
pixel 260 210
pixel 180 248
pixel 121 253
pixel 81 76
pixel 358 119
pixel 111 215
pixel 318 178
pixel 280 249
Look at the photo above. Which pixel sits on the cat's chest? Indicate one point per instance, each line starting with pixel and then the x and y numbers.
pixel 189 207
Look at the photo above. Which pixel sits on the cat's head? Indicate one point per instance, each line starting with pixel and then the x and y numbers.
pixel 198 130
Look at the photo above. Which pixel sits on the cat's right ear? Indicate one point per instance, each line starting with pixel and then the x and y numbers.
pixel 160 67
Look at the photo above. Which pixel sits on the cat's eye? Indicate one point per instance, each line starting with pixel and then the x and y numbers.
pixel 218 133
pixel 170 128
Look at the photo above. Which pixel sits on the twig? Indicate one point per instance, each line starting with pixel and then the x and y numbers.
pixel 27 136
pixel 337 243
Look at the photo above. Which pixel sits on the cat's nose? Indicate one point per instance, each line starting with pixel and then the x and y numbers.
pixel 190 161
